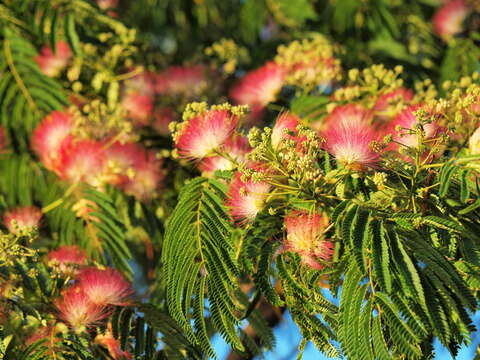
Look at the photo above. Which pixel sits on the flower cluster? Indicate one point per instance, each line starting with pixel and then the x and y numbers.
pixel 128 166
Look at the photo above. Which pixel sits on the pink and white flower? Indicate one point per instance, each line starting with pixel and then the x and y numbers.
pixel 52 64
pixel 246 199
pixel 349 141
pixel 82 161
pixel 67 256
pixel 258 88
pixel 182 81
pixel 201 135
pixel 75 308
pixel 449 18
pixel 147 178
pixel 305 236
pixel 22 218
pixel 139 108
pixel 285 123
pixel 104 287
pixel 236 147
pixel 50 135
pixel 383 106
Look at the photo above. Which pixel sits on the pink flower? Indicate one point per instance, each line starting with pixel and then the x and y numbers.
pixel 107 4
pixel 66 256
pixel 236 147
pixel 49 137
pixel 349 140
pixel 162 117
pixel 407 120
pixel 121 160
pixel 246 199
pixel 82 161
pixel 182 81
pixel 285 122
pixel 25 217
pixel 112 345
pixel 258 88
pixel 348 115
pixel 448 20
pixel 385 101
pixel 147 178
pixel 474 142
pixel 139 108
pixel 305 236
pixel 143 83
pixel 204 133
pixel 104 287
pixel 76 309
pixel 52 64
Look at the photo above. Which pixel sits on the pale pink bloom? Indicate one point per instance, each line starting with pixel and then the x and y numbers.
pixel 236 147
pixel 258 88
pixel 384 101
pixel 285 123
pixel 204 133
pixel 182 81
pixel 82 161
pixel 406 119
pixel 147 178
pixel 474 142
pixel 139 108
pixel 49 136
pixel 246 199
pixel 112 345
pixel 104 287
pixel 66 256
pixel 52 64
pixel 77 310
pixel 305 236
pixel 448 20
pixel 121 161
pixel 350 143
pixel 162 117
pixel 25 217
pixel 348 115
pixel 143 83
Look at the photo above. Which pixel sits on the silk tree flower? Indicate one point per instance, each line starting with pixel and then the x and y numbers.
pixel 121 160
pixel 162 117
pixel 82 161
pixel 78 311
pixel 474 142
pixel 245 199
pixel 112 345
pixel 285 123
pixel 449 18
pixel 182 81
pixel 407 120
pixel 199 136
pixel 387 104
pixel 350 142
pixel 139 108
pixel 22 218
pixel 258 88
pixel 305 236
pixel 52 64
pixel 236 147
pixel 50 135
pixel 66 257
pixel 143 83
pixel 147 178
pixel 104 287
